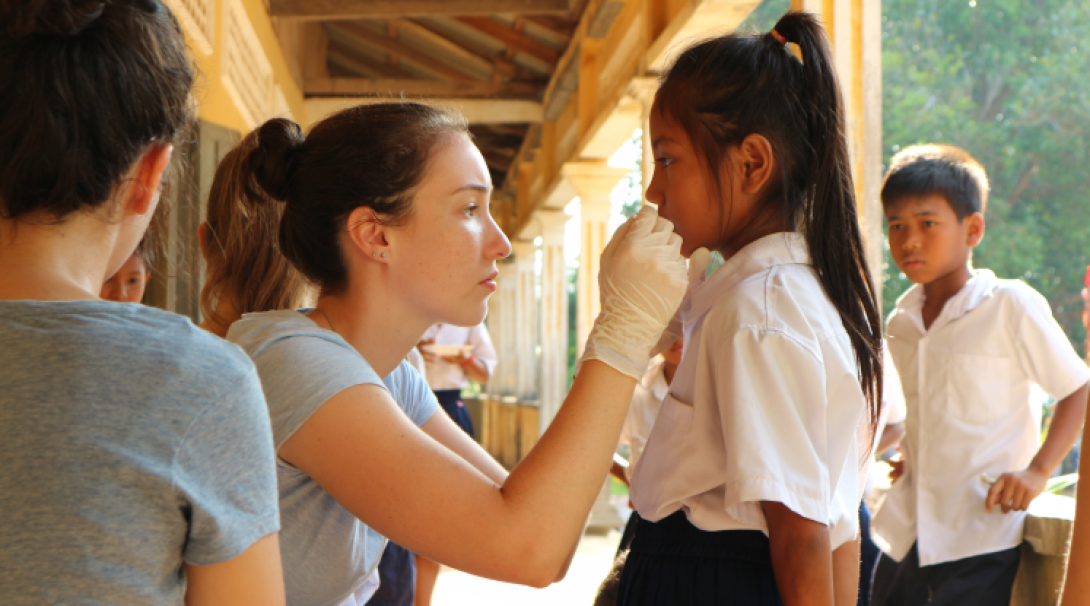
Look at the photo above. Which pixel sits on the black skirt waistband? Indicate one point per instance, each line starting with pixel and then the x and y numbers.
pixel 675 535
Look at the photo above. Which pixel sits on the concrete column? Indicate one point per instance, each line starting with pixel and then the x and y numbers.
pixel 554 315
pixel 643 90
pixel 593 181
pixel 525 342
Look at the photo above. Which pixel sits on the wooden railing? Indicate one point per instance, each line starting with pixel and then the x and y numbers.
pixel 1048 532
pixel 505 427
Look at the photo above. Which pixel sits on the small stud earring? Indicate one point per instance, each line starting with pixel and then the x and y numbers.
pixel 383 255
pixel 374 254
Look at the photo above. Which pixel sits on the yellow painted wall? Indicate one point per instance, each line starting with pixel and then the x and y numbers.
pixel 216 104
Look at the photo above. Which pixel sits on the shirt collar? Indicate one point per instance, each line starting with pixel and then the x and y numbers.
pixel 782 248
pixel 980 286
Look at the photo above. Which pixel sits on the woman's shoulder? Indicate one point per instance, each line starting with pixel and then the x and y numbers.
pixel 258 332
pixel 197 352
pixel 292 353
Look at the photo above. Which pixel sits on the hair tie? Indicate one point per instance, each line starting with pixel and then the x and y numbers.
pixel 790 47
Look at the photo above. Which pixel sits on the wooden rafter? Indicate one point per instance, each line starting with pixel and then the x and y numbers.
pixel 370 9
pixel 512 38
pixel 462 53
pixel 412 87
pixel 557 25
pixel 370 68
pixel 424 61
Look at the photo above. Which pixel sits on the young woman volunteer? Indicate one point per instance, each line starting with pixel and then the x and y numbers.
pixel 387 212
pixel 137 453
pixel 749 485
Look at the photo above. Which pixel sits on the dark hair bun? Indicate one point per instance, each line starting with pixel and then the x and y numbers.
pixel 277 141
pixel 53 17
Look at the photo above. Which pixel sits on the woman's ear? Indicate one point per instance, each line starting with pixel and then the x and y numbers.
pixel 755 163
pixel 143 196
pixel 367 234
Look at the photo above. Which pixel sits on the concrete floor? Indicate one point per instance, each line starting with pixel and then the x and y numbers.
pixel 592 561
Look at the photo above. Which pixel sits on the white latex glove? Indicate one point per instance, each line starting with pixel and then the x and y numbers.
pixel 641 283
pixel 698 269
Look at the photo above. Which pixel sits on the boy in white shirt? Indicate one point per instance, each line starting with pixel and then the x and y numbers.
pixel 970 350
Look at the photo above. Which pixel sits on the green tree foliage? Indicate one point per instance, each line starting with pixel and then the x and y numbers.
pixel 1008 81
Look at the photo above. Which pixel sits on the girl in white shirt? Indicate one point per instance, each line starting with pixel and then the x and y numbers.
pixel 750 482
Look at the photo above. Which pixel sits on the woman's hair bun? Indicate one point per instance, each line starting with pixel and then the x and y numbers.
pixel 52 17
pixel 278 140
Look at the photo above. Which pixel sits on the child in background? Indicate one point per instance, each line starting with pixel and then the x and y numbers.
pixel 969 348
pixel 129 283
pixel 748 489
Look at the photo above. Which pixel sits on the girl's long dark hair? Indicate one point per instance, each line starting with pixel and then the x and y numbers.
pixel 724 89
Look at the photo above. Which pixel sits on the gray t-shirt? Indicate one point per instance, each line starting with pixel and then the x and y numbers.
pixel 131 442
pixel 327 552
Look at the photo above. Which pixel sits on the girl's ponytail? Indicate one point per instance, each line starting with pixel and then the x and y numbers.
pixel 245 204
pixel 840 261
pixel 782 85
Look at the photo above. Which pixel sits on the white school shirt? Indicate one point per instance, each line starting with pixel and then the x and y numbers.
pixel 646 401
pixel 764 405
pixel 969 383
pixel 441 375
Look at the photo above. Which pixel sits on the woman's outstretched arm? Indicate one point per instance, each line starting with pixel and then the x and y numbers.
pixel 370 457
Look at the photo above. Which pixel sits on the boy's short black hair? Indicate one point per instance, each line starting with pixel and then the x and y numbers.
pixel 938 169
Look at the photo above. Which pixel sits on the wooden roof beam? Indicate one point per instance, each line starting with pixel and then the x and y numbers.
pixel 375 70
pixel 476 111
pixel 439 69
pixel 371 9
pixel 422 31
pixel 313 87
pixel 515 39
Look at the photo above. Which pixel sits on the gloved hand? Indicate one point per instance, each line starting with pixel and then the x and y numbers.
pixel 698 268
pixel 641 283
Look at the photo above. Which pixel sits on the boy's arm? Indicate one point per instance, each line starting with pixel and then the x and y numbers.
pixel 1014 490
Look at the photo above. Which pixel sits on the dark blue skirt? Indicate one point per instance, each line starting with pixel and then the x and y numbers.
pixel 673 563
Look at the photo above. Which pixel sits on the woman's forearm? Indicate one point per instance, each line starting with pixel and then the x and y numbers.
pixel 571 460
pixel 802 557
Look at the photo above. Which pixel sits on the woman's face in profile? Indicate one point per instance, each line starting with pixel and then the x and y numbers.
pixel 450 242
pixel 128 284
